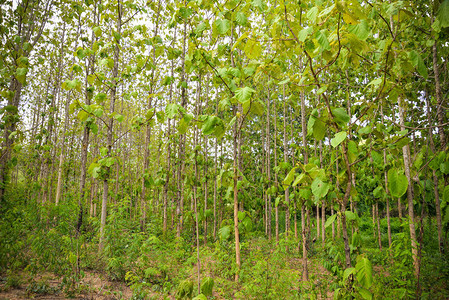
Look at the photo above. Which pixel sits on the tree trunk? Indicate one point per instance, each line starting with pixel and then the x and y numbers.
pixel 268 136
pixel 110 127
pixel 287 190
pixel 406 156
pixel 305 272
pixel 379 239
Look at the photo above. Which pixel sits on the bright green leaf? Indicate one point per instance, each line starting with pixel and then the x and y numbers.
pixel 319 188
pixel 339 137
pixel 397 183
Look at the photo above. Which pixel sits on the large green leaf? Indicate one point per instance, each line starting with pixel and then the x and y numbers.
pixel 350 215
pixel 241 18
pixel 290 176
pixel 312 14
pixel 444 167
pixel 397 183
pixel 316 127
pixel 340 115
pixel 339 137
pixel 443 14
pixel 253 49
pixel 224 232
pixel 244 94
pixel 222 26
pixel 418 63
pixel 364 272
pixel 361 30
pixel 330 220
pixel 171 110
pixel 302 35
pixel 379 192
pixel 319 188
pixel 446 195
pixel 322 40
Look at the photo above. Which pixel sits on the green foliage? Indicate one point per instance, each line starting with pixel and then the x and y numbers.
pixel 207 284
pixel 397 183
pixel 185 290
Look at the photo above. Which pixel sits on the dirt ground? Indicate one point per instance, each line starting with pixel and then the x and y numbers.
pixel 47 286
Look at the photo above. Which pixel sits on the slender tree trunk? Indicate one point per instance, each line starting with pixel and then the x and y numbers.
pixel 268 166
pixel 237 132
pixel 287 190
pixel 386 185
pixel 110 128
pixel 379 239
pixel 435 178
pixel 195 199
pixel 305 272
pixel 406 156
pixel 438 97
pixel 275 167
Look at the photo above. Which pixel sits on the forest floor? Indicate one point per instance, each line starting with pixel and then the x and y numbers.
pixel 94 285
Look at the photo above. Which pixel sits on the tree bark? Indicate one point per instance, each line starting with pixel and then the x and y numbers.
pixel 110 127
pixel 411 214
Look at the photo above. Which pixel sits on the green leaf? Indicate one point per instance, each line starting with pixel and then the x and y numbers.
pixel 207 284
pixel 224 232
pixel 365 294
pixel 276 202
pixel 200 297
pixel 171 110
pixel 21 74
pixel 340 115
pixel 312 14
pixel 256 107
pixel 241 19
pixel 443 14
pixel 241 215
pixel 418 63
pixel 119 117
pixel 397 183
pixel 94 170
pixel 244 94
pixel 94 128
pixel 185 12
pixel 361 30
pixel 365 130
pixel 316 127
pixel 348 272
pixel 222 26
pixel 116 35
pixel 379 192
pixel 200 28
pixel 319 188
pixel 299 179
pixel 326 11
pixel 376 82
pixel 71 84
pixel 305 193
pixel 302 35
pixel 339 137
pixel 289 178
pixel 350 215
pixel 364 272
pixel 213 124
pixel 444 167
pixel 322 40
pixel 330 220
pixel 446 195
pixel 97 31
pixel 252 49
pixel 259 4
